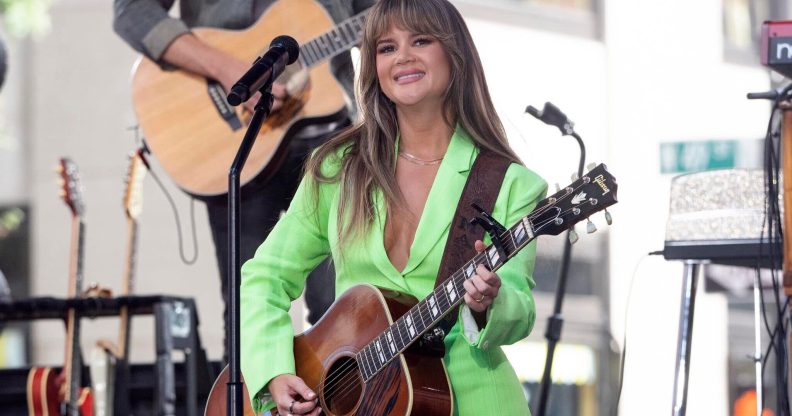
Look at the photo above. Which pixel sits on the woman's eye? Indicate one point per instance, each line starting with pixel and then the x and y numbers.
pixel 423 41
pixel 385 49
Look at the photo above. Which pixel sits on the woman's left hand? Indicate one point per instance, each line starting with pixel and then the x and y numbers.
pixel 483 287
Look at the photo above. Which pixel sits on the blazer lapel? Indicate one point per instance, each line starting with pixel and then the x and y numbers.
pixel 443 198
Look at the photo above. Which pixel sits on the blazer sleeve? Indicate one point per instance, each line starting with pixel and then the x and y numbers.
pixel 271 280
pixel 512 314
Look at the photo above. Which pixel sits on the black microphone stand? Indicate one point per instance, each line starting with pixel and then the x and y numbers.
pixel 553 116
pixel 261 111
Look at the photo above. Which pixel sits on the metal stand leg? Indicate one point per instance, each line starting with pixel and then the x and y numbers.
pixel 685 337
pixel 758 344
pixel 165 403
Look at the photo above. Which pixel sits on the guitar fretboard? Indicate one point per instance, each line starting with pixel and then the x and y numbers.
pixel 340 38
pixel 73 365
pixel 444 298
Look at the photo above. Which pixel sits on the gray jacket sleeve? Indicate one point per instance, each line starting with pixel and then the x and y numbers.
pixel 146 26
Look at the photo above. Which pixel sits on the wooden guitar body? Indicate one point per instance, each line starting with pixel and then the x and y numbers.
pixel 413 384
pixel 180 113
pixel 44 395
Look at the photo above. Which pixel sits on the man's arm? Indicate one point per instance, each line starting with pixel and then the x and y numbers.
pixel 146 26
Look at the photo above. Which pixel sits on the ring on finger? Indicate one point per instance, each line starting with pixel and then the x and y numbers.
pixel 480 299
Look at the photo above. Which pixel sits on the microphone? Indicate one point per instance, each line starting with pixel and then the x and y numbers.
pixel 283 51
pixel 553 116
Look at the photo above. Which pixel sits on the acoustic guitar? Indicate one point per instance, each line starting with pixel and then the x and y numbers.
pixel 195 134
pixel 50 394
pixel 111 362
pixel 365 366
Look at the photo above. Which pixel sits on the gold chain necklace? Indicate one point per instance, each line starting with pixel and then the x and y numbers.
pixel 418 161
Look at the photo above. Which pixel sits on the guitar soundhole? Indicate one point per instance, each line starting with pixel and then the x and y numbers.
pixel 342 387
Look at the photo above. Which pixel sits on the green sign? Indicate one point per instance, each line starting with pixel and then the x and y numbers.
pixel 696 156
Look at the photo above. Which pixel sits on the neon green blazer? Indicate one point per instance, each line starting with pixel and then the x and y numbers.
pixel 482 380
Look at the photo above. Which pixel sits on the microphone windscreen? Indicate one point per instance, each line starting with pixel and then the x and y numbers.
pixel 291 46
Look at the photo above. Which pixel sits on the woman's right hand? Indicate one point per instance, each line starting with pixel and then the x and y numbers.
pixel 293 396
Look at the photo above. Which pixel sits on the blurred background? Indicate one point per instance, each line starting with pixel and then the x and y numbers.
pixel 656 88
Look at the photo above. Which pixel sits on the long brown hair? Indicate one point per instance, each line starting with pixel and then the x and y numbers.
pixel 368 159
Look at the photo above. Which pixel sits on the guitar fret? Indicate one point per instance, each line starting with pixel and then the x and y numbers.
pixel 433 308
pixel 391 342
pixel 399 331
pixel 470 269
pixel 372 359
pixel 345 34
pixel 442 301
pixel 451 288
pixel 493 257
pixel 336 35
pixel 314 52
pixel 364 360
pixel 420 315
pixel 323 46
pixel 410 325
pixel 380 353
pixel 305 56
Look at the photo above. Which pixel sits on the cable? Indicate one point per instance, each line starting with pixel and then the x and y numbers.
pixel 773 225
pixel 142 151
pixel 624 339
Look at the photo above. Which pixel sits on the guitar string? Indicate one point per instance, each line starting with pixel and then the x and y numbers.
pixel 340 377
pixel 342 373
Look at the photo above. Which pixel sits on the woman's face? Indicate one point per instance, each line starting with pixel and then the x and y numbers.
pixel 412 68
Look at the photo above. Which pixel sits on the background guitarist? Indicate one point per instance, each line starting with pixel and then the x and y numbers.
pixel 146 26
pixel 380 199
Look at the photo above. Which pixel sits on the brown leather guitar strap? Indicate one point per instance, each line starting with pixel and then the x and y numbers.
pixel 482 188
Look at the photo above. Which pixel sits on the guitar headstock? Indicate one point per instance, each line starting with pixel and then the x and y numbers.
pixel 593 192
pixel 71 187
pixel 133 196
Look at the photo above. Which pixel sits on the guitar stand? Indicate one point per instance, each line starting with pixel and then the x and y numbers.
pixel 176 328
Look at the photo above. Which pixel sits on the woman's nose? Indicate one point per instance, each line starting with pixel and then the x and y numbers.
pixel 404 56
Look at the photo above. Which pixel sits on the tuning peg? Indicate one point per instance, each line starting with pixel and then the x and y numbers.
pixel 590 227
pixel 608 217
pixel 575 177
pixel 557 187
pixel 591 166
pixel 573 236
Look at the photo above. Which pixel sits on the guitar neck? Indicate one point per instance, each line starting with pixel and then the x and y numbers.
pixel 559 212
pixel 129 276
pixel 340 38
pixel 72 367
pixel 443 299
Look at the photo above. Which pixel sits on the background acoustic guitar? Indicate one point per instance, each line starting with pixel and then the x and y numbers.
pixel 358 358
pixel 195 133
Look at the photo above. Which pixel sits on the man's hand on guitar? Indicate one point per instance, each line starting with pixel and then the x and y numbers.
pixel 483 287
pixel 293 396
